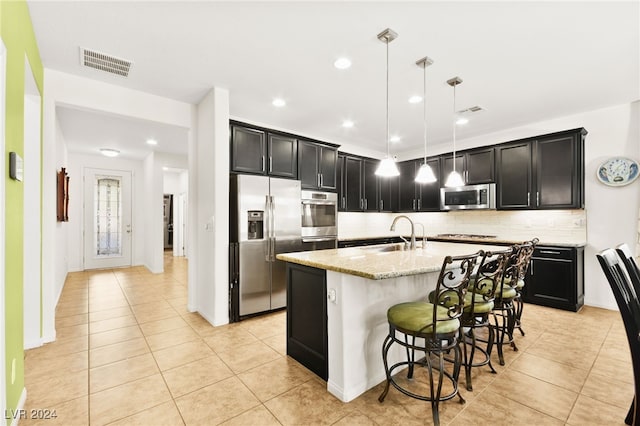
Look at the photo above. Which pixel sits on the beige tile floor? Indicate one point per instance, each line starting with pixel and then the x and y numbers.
pixel 129 353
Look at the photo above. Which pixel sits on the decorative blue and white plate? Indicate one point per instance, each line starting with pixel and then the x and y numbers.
pixel 618 171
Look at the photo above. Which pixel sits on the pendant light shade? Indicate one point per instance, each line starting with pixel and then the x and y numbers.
pixel 387 167
pixel 454 179
pixel 425 173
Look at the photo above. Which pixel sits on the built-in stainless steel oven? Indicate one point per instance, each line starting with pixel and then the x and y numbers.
pixel 319 215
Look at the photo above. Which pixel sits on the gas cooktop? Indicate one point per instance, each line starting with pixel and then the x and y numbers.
pixel 466 236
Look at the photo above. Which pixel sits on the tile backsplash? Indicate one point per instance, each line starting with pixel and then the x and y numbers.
pixel 567 226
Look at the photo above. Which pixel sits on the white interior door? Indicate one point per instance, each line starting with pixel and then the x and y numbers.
pixel 107 218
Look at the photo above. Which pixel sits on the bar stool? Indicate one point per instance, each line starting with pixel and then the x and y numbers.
pixel 479 304
pixel 437 330
pixel 504 313
pixel 518 304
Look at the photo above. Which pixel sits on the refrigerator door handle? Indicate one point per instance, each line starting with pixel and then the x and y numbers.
pixel 267 221
pixel 273 230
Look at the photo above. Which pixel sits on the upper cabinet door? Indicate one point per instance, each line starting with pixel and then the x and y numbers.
pixel 340 180
pixel 514 183
pixel 248 150
pixel 308 153
pixel 283 156
pixel 353 184
pixel 447 166
pixel 429 199
pixel 328 163
pixel 407 199
pixel 479 166
pixel 559 175
pixel 370 186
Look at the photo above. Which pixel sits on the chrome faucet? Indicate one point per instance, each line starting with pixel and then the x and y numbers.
pixel 412 245
pixel 424 236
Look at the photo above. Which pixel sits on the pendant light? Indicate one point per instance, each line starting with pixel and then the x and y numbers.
pixel 454 179
pixel 425 173
pixel 387 166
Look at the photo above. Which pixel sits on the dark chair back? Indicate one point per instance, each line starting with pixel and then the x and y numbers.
pixel 489 276
pixel 631 265
pixel 629 305
pixel 452 286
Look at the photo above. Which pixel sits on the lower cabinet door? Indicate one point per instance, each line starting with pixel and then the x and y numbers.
pixel 307 317
pixel 555 278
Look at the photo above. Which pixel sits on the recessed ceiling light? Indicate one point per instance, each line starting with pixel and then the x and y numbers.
pixel 108 152
pixel 415 99
pixel 342 63
pixel 347 124
pixel 152 142
pixel 165 168
pixel 461 121
pixel 394 139
pixel 278 102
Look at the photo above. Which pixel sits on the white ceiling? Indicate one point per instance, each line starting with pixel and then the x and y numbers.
pixel 522 61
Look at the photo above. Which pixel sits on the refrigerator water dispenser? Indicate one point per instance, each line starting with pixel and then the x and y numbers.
pixel 255 219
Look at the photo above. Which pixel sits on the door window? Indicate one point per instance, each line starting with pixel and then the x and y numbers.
pixel 108 220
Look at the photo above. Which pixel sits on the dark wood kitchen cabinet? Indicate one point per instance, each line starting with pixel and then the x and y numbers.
pixel 360 189
pixel 556 278
pixel 256 151
pixel 414 196
pixel 248 150
pixel 317 165
pixel 546 172
pixel 307 317
pixel 475 166
pixel 514 165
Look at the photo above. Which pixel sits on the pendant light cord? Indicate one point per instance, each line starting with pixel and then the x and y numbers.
pixel 424 102
pixel 454 127
pixel 388 148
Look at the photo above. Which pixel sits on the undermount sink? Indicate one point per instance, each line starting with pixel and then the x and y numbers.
pixel 382 248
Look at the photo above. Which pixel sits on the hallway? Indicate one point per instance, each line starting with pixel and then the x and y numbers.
pixel 129 353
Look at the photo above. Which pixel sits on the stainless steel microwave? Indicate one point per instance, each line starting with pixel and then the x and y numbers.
pixel 471 197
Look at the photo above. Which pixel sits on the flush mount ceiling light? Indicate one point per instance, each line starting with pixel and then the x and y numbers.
pixel 460 121
pixel 108 152
pixel 278 102
pixel 342 63
pixel 454 179
pixel 347 124
pixel 425 173
pixel 394 139
pixel 387 166
pixel 152 142
pixel 415 99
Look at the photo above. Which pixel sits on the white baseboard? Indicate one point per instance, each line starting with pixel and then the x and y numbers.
pixel 35 343
pixel 19 410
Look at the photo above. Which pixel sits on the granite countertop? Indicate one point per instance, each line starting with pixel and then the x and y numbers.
pixel 369 262
pixel 466 238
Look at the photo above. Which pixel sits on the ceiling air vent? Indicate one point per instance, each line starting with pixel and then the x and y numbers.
pixel 472 109
pixel 104 62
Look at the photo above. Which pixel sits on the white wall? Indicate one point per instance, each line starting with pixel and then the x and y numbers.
pixel 153 224
pixel 77 163
pixel 32 181
pixel 612 212
pixel 70 90
pixel 171 183
pixel 209 204
pixel 61 255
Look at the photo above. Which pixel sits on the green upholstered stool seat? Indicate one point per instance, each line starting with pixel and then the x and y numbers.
pixel 417 318
pixel 480 306
pixel 519 284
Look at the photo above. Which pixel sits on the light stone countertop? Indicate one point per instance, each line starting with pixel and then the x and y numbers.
pixel 499 239
pixel 369 262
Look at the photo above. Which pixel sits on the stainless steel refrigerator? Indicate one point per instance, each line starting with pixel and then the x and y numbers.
pixel 265 220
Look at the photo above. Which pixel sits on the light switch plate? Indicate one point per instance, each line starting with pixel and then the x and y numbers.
pixel 16 166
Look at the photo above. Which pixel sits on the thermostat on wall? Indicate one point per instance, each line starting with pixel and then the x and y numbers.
pixel 16 166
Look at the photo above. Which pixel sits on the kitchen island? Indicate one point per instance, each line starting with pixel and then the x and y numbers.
pixel 352 288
